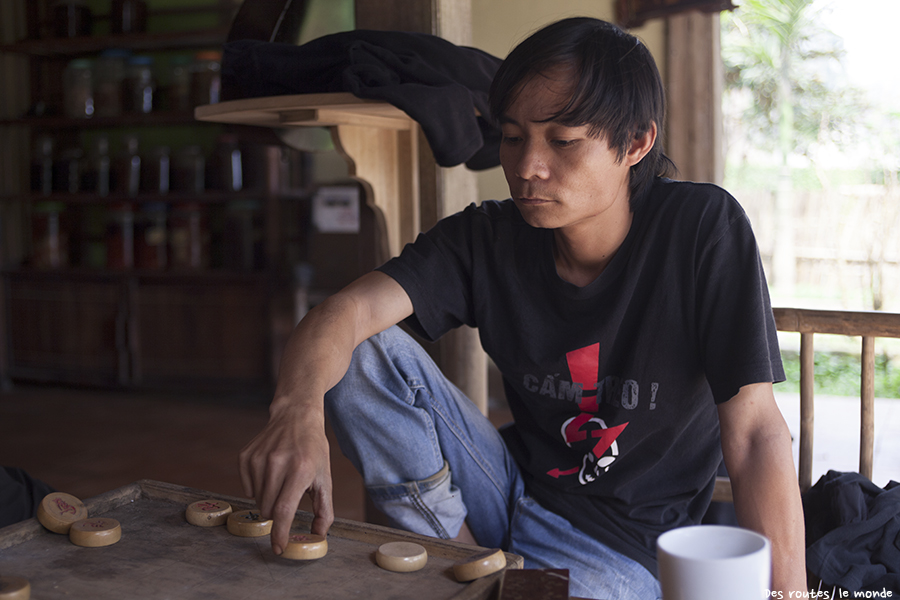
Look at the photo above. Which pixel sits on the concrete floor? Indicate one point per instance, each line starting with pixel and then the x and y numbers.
pixel 836 434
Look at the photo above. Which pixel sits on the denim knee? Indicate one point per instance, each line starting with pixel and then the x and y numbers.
pixel 432 506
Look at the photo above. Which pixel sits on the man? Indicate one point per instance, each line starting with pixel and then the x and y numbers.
pixel 630 318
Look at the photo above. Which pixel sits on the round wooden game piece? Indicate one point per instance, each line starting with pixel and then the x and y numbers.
pixel 207 513
pixel 57 511
pixel 479 565
pixel 14 588
pixel 95 532
pixel 305 546
pixel 248 523
pixel 401 557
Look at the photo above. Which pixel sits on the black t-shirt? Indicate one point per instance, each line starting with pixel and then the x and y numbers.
pixel 613 385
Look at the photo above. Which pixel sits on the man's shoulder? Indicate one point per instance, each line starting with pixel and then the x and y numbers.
pixel 689 191
pixel 670 199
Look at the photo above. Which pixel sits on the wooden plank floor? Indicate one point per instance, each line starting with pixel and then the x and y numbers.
pixel 86 441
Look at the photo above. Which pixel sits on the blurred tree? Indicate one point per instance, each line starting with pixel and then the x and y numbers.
pixel 779 65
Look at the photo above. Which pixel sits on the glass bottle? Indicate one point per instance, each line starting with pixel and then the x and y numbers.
pixel 189 170
pixel 78 88
pixel 42 166
pixel 156 171
pixel 71 18
pixel 127 171
pixel 128 16
pixel 98 173
pixel 120 236
pixel 67 167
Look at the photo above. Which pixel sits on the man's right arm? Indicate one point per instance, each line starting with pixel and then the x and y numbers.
pixel 291 455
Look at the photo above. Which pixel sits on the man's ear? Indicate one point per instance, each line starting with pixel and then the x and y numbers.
pixel 641 145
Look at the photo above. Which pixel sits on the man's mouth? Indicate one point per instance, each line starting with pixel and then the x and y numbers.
pixel 531 201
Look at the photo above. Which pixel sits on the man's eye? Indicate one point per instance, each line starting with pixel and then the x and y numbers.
pixel 511 139
pixel 564 143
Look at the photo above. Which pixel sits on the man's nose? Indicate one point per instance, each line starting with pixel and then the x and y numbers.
pixel 531 161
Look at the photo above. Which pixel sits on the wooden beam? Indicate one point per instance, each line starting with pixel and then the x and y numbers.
pixel 857 323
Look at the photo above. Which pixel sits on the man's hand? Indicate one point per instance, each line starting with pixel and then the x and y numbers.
pixel 287 459
pixel 290 456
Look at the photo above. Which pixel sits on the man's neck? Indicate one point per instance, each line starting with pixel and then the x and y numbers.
pixel 581 253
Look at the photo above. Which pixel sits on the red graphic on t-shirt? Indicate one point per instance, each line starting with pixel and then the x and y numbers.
pixel 607 437
pixel 583 365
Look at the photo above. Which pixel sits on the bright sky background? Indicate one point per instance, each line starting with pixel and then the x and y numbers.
pixel 869 30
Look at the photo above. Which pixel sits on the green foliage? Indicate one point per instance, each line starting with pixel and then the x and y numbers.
pixel 780 53
pixel 838 373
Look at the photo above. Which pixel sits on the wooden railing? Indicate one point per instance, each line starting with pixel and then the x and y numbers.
pixel 868 325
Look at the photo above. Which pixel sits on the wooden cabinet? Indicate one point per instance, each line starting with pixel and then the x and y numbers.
pixel 78 312
pixel 68 328
pixel 211 331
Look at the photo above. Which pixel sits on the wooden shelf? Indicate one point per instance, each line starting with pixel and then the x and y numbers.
pixel 324 110
pixel 208 197
pixel 153 119
pixel 142 42
pixel 196 276
pixel 379 141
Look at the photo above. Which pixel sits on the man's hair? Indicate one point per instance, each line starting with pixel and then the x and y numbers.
pixel 617 90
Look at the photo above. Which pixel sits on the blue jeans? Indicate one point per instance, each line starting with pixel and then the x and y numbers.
pixel 431 461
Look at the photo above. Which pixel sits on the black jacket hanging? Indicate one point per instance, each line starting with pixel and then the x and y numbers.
pixel 442 86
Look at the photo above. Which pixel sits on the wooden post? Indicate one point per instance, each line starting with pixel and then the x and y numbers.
pixel 807 409
pixel 694 92
pixel 442 191
pixel 867 408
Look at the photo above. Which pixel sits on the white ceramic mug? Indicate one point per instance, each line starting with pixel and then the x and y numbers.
pixel 714 562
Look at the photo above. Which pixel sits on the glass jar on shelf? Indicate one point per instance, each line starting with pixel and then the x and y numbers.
pixel 140 85
pixel 178 92
pixel 206 80
pixel 189 236
pixel 50 240
pixel 109 78
pixel 78 88
pixel 150 236
pixel 120 236
pixel 242 235
pixel 92 222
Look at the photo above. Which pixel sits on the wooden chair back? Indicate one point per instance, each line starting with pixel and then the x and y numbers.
pixel 868 326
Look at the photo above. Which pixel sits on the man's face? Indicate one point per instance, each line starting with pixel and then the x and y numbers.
pixel 559 176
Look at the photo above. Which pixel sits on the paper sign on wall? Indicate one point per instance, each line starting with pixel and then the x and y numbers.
pixel 336 209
